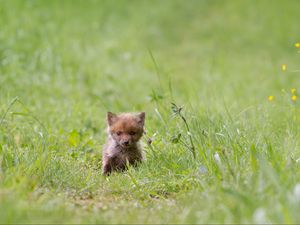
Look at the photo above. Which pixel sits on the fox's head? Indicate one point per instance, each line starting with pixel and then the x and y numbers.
pixel 126 128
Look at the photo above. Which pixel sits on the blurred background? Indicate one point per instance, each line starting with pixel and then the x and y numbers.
pixel 97 52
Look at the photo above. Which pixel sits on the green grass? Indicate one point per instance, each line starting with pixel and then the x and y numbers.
pixel 64 64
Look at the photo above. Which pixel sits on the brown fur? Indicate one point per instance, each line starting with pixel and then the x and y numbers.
pixel 122 145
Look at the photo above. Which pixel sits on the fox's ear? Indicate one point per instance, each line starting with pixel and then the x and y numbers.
pixel 141 117
pixel 111 118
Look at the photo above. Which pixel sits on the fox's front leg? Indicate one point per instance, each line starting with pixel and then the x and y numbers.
pixel 107 166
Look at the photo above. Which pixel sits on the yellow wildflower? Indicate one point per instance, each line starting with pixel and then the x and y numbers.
pixel 283 67
pixel 293 90
pixel 271 98
pixel 294 98
pixel 297 45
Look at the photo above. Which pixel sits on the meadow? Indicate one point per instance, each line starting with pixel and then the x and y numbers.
pixel 64 64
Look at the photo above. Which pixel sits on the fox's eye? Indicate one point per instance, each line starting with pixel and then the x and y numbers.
pixel 132 133
pixel 119 133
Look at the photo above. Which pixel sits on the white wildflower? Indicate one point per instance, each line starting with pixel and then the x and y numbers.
pixel 259 216
pixel 217 157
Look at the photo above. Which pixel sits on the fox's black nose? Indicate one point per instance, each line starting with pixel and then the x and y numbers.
pixel 126 142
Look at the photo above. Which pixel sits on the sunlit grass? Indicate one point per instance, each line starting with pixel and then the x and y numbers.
pixel 223 152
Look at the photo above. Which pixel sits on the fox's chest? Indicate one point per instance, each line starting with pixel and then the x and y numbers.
pixel 129 156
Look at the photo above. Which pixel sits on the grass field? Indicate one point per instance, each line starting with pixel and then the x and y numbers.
pixel 64 64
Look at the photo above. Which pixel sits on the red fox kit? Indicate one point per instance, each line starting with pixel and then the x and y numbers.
pixel 122 145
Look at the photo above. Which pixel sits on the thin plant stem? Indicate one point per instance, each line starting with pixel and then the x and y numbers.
pixel 193 150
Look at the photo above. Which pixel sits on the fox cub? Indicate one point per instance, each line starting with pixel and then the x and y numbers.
pixel 122 145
